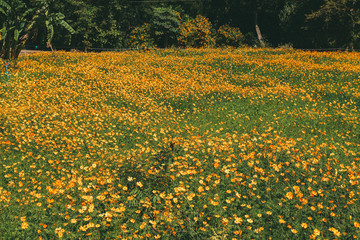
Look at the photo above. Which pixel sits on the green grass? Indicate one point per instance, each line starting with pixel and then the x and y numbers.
pixel 181 144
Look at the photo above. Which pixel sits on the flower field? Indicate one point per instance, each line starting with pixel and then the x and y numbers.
pixel 181 144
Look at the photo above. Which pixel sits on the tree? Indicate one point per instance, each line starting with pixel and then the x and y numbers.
pixel 100 23
pixel 22 20
pixel 339 21
pixel 14 28
pixel 165 24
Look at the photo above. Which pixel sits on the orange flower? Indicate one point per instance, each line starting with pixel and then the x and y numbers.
pixel 58 184
pixel 289 195
pixel 296 189
pixel 357 225
pixel 225 221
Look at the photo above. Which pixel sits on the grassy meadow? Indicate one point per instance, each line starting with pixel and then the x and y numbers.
pixel 181 144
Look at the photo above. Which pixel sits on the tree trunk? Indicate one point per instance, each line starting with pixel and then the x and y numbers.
pixel 258 32
pixel 7 47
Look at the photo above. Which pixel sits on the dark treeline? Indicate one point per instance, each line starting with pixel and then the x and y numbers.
pixel 297 23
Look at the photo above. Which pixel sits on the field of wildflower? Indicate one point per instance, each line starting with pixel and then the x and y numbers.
pixel 181 144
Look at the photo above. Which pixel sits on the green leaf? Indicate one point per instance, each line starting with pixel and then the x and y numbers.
pixel 16 35
pixel 4 4
pixel 27 12
pixel 2 11
pixel 67 26
pixel 22 25
pixel 3 33
pixel 50 33
pixel 59 16
pixel 30 25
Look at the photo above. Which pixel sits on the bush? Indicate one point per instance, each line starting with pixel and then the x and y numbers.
pixel 141 38
pixel 229 36
pixel 196 33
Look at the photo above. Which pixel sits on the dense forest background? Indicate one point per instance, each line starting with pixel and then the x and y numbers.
pixel 100 24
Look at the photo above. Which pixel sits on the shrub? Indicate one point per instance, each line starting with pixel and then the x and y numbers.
pixel 229 36
pixel 196 33
pixel 141 38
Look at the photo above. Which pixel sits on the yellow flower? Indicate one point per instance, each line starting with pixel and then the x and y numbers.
pixel 101 197
pixel 238 220
pixel 238 232
pixel 289 195
pixel 317 232
pixel 91 225
pixel 282 221
pixel 24 225
pixel 304 225
pixel 60 232
pixel 335 232
pixel 139 184
pixel 84 228
pixel 190 196
pixel 143 224
pixel 225 221
pixel 91 208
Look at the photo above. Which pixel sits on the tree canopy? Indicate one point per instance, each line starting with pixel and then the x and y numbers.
pixel 111 23
pixel 23 20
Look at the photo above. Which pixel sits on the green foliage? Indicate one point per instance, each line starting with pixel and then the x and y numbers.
pixel 22 21
pixel 4 6
pixel 100 23
pixel 165 25
pixel 15 23
pixel 141 38
pixel 109 24
pixel 229 36
pixel 286 13
pixel 196 33
pixel 340 21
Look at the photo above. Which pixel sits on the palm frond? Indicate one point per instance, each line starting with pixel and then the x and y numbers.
pixel 4 4
pixel 67 26
pixel 50 32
